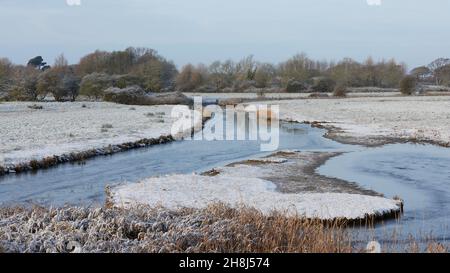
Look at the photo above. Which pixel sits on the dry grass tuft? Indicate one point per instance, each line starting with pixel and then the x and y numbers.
pixel 248 230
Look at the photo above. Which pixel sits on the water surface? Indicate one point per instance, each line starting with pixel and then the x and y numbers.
pixel 419 174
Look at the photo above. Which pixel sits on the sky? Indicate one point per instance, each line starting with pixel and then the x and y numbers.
pixel 194 31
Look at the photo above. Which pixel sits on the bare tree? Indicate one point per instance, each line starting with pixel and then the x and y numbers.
pixel 436 65
pixel 61 62
pixel 189 78
pixel 6 71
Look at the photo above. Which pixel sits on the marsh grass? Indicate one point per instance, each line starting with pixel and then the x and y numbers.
pixel 217 228
pixel 107 126
pixel 249 230
pixel 35 107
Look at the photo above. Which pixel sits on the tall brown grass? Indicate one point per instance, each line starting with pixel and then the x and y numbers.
pixel 248 230
pixel 216 229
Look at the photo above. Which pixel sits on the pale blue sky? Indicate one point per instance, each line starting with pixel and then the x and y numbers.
pixel 414 31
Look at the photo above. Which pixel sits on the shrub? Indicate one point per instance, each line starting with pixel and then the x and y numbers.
pixel 318 95
pixel 123 81
pixel 135 95
pixel 129 95
pixel 70 86
pixel 340 91
pixel 49 82
pixel 93 85
pixel 324 85
pixel 296 87
pixel 260 94
pixel 35 107
pixel 408 85
pixel 189 78
pixel 17 93
pixel 107 126
pixel 244 86
pixel 60 82
pixel 264 74
pixel 25 87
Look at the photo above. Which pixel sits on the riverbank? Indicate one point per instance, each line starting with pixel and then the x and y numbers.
pixel 40 135
pixel 374 121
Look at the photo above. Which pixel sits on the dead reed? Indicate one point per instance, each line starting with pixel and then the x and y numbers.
pixel 217 228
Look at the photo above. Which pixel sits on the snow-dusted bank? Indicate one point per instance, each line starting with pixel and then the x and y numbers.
pixel 242 185
pixel 374 120
pixel 63 132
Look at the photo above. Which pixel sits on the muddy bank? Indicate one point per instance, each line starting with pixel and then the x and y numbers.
pixel 300 176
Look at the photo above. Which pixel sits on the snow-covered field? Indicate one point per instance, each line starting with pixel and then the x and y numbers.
pixel 242 185
pixel 423 118
pixel 277 96
pixel 61 128
pixel 247 95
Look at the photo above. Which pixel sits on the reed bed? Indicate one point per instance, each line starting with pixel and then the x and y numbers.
pixel 216 229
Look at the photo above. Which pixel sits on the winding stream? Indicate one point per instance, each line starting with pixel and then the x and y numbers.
pixel 84 185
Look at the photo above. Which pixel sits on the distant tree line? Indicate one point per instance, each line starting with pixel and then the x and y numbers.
pixel 90 77
pixel 145 68
pixel 297 74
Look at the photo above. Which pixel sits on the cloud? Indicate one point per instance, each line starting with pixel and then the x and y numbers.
pixel 374 2
pixel 73 2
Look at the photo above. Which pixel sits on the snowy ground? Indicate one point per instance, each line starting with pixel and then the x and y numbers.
pixel 422 118
pixel 60 128
pixel 242 185
pixel 247 95
pixel 277 96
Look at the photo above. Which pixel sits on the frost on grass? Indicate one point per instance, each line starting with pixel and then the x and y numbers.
pixel 240 185
pixel 214 229
pixel 245 184
pixel 421 118
pixel 63 128
pixel 142 229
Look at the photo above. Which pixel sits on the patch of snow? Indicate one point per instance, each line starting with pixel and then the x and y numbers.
pixel 61 128
pixel 196 191
pixel 423 118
